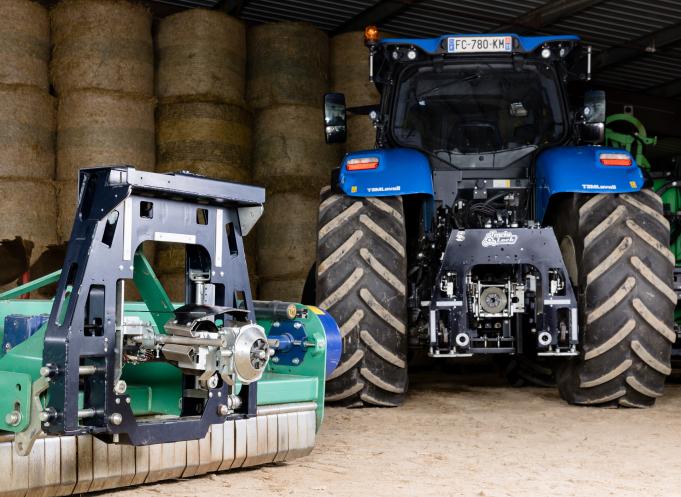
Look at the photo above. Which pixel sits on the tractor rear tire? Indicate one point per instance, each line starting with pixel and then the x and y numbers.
pixel 361 281
pixel 616 251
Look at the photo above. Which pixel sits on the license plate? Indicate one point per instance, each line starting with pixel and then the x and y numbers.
pixel 475 44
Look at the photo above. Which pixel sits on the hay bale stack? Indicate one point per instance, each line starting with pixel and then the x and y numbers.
pixel 201 55
pixel 207 138
pixel 286 79
pixel 103 72
pixel 203 125
pixel 173 283
pixel 29 213
pixel 67 198
pixel 27 114
pixel 27 132
pixel 102 44
pixel 287 64
pixel 361 134
pixel 287 237
pixel 24 44
pixel 104 128
pixel 290 153
pixel 97 128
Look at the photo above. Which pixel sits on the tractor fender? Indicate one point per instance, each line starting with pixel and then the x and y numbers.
pixel 578 169
pixel 399 171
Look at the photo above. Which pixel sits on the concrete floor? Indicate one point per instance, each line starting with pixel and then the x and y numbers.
pixel 458 436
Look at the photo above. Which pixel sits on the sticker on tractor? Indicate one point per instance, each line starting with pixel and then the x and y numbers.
pixel 589 186
pixel 384 189
pixel 494 238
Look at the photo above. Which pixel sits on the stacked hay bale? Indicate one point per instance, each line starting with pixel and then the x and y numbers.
pixel 203 125
pixel 287 78
pixel 350 75
pixel 27 113
pixel 102 71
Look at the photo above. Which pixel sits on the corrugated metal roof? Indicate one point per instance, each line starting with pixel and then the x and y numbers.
pixel 325 14
pixel 436 17
pixel 606 24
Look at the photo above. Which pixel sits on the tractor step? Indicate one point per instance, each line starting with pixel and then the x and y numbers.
pixel 68 465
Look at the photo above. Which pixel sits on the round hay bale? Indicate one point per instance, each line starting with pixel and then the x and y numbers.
pixel 24 43
pixel 287 237
pixel 29 212
pixel 173 284
pixel 287 290
pixel 67 201
pixel 103 128
pixel 201 53
pixel 102 44
pixel 250 243
pixel 361 134
pixel 28 120
pixel 349 69
pixel 169 258
pixel 205 138
pixel 51 260
pixel 287 64
pixel 290 152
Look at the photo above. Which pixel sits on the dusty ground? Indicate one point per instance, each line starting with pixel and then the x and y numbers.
pixel 457 437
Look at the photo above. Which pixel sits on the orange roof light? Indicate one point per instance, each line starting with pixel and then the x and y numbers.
pixel 616 160
pixel 371 35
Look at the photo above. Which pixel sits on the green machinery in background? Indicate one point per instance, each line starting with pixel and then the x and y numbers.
pixel 99 392
pixel 627 132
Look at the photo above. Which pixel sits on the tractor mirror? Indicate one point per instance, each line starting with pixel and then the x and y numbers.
pixel 335 120
pixel 592 125
pixel 594 106
pixel 593 133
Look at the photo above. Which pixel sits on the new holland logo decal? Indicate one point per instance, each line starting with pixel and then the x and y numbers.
pixel 494 238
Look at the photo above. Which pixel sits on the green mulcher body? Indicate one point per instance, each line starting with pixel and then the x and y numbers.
pixel 161 390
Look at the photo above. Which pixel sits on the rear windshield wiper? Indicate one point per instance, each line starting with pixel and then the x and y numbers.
pixel 436 89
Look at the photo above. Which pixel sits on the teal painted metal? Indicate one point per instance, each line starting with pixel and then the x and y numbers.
pixel 31 286
pixel 313 364
pixel 155 388
pixel 276 388
pixel 152 292
pixel 16 397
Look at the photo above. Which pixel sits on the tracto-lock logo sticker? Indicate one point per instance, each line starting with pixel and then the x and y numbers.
pixel 494 238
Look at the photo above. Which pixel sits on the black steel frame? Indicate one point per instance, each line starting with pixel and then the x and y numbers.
pixel 536 247
pixel 82 327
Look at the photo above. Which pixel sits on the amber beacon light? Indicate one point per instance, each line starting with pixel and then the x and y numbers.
pixel 370 35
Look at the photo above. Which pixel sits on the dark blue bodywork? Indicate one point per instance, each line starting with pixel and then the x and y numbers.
pixel 524 44
pixel 560 169
pixel 575 169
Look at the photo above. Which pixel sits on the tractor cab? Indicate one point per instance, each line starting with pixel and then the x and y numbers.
pixel 479 102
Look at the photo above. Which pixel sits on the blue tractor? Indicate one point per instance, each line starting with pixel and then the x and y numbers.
pixel 489 220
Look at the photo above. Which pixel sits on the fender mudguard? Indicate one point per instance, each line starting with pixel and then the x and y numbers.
pixel 400 171
pixel 579 170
